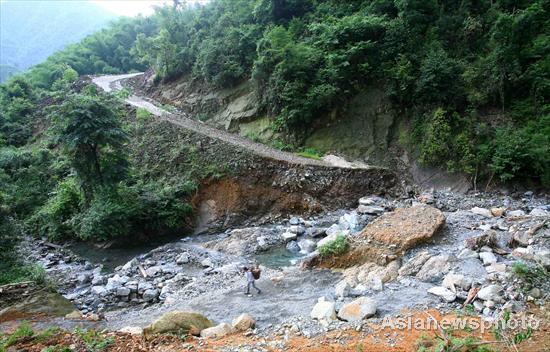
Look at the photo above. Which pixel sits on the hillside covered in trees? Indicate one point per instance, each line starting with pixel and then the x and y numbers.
pixel 444 66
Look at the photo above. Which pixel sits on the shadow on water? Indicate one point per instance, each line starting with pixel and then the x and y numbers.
pixel 119 253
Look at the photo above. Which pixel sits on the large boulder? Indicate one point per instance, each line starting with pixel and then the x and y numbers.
pixel 178 322
pixel 324 311
pixel 220 330
pixel 244 322
pixel 361 308
pixel 388 237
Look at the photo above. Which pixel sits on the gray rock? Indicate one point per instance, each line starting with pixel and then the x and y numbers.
pixel 535 293
pixel 294 221
pixel 153 271
pixel 370 210
pixel 298 230
pixel 539 212
pixel 434 268
pixel 220 330
pixel 333 230
pixel 487 258
pixel 413 266
pixel 482 211
pixel 150 295
pixel 122 292
pixel 306 245
pixel 491 293
pixel 444 293
pixel 207 263
pixel 359 309
pixel 467 253
pixel 131 264
pixel 315 232
pixel 182 259
pixel 453 281
pixel 98 280
pixel 99 290
pixel 367 201
pixel 342 289
pixel 84 278
pixel 288 236
pixel 293 247
pixel 323 310
pixel 515 213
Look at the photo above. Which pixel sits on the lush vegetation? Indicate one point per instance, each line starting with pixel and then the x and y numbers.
pixel 338 246
pixel 472 77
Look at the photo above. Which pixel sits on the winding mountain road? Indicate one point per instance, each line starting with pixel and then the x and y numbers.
pixel 110 83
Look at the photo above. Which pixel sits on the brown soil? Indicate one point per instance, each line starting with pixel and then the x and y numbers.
pixel 374 338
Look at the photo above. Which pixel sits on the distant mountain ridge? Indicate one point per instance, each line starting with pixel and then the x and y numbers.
pixel 33 30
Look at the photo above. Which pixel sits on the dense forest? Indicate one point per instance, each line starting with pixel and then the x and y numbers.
pixel 472 78
pixel 25 42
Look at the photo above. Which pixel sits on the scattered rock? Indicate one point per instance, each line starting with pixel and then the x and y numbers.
pixel 207 263
pixel 359 309
pixel 496 268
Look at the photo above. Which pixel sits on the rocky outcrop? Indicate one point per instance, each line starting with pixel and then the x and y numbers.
pixel 388 237
pixel 178 322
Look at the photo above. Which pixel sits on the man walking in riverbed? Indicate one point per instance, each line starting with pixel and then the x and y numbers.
pixel 251 276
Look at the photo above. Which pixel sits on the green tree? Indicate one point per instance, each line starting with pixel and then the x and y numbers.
pixel 87 128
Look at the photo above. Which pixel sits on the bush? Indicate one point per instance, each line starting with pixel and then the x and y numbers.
pixel 338 246
pixel 54 218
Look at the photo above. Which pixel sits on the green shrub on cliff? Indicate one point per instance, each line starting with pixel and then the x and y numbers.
pixel 338 246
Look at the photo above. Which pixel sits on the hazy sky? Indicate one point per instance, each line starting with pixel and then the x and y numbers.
pixel 130 7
